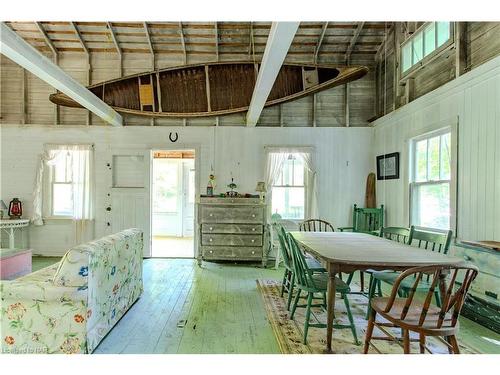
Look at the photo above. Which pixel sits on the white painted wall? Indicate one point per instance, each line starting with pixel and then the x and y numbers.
pixel 343 158
pixel 474 101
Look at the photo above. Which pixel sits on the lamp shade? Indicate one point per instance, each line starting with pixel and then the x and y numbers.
pixel 261 187
pixel 3 206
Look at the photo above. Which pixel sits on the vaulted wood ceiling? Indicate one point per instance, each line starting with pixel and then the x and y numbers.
pixel 327 41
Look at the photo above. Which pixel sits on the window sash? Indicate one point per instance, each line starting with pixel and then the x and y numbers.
pixel 305 201
pixel 53 199
pixel 415 208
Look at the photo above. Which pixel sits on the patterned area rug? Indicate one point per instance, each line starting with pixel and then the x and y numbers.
pixel 289 333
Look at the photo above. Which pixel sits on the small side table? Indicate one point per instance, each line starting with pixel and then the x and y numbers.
pixel 8 227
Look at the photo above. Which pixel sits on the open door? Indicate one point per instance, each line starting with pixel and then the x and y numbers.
pixel 129 200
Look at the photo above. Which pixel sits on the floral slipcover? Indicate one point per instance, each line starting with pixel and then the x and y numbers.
pixel 69 307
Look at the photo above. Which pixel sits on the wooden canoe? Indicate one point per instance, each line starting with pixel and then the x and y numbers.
pixel 211 89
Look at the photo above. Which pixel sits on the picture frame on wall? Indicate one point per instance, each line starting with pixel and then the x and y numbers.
pixel 388 166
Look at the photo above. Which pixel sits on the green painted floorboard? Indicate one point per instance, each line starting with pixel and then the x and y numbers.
pixel 223 310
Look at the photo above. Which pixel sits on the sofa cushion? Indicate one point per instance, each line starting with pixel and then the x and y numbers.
pixel 73 268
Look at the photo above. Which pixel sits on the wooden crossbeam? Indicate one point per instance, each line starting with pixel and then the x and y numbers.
pixel 354 39
pixel 320 41
pixel 278 43
pixel 117 46
pixel 183 42
pixel 22 53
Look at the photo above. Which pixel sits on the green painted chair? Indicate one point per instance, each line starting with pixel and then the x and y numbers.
pixel 432 241
pixel 288 282
pixel 312 284
pixel 366 220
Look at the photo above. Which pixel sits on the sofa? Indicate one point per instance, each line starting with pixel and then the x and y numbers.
pixel 69 307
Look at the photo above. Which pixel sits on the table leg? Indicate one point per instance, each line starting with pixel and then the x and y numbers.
pixel 11 238
pixel 330 310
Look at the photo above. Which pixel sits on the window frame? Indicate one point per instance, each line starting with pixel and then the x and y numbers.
pixel 304 186
pixel 432 55
pixel 49 210
pixel 413 183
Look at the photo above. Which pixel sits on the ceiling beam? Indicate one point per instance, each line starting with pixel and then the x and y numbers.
pixel 48 41
pixel 89 66
pixel 183 42
pixel 19 51
pixel 280 38
pixel 354 39
pixel 150 43
pixel 320 41
pixel 117 46
pixel 216 42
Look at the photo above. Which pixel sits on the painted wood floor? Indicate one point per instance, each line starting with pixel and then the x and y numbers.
pixel 223 310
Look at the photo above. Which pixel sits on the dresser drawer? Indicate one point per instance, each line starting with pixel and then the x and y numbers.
pixel 238 214
pixel 229 200
pixel 227 253
pixel 232 228
pixel 231 239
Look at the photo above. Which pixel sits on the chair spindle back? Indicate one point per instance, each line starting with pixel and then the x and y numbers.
pixel 397 234
pixel 302 272
pixel 316 225
pixel 433 241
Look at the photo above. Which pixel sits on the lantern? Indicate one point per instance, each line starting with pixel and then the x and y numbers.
pixel 15 209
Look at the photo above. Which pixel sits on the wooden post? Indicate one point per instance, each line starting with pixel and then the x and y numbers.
pixel 409 90
pixel 460 48
pixel 24 102
pixel 183 42
pixel 347 103
pixel 153 59
pixel 117 46
pixel 280 107
pixel 88 118
pixel 397 65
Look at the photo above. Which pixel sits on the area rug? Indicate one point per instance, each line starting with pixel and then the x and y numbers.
pixel 289 333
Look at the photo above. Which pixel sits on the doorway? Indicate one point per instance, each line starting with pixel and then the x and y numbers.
pixel 173 199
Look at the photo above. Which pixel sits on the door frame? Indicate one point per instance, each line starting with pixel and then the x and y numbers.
pixel 197 167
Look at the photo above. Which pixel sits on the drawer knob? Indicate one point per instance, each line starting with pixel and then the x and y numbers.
pixel 210 239
pixel 211 215
pixel 253 229
pixel 211 228
pixel 253 241
pixel 253 215
pixel 211 251
pixel 253 252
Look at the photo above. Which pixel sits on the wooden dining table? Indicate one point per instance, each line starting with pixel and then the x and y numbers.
pixel 346 252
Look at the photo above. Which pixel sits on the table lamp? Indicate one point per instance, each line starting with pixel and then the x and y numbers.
pixel 3 207
pixel 261 188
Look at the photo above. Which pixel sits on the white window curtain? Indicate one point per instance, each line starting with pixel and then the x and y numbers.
pixel 275 159
pixel 82 186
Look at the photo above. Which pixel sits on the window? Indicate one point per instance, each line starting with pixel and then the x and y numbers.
pixel 423 43
pixel 430 181
pixel 289 190
pixel 69 188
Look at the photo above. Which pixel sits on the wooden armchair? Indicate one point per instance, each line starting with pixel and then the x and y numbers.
pixel 366 220
pixel 418 315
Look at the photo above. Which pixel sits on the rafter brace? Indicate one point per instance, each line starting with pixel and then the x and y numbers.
pixel 117 46
pixel 22 53
pixel 150 43
pixel 278 43
pixel 320 41
pixel 89 66
pixel 183 42
pixel 353 42
pixel 251 43
pixel 216 42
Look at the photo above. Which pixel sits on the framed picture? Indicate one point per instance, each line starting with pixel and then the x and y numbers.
pixel 388 166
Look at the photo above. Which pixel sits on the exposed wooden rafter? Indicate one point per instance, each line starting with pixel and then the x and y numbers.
pixel 216 42
pixel 22 53
pixel 88 118
pixel 150 44
pixel 55 57
pixel 251 41
pixel 117 46
pixel 183 42
pixel 320 42
pixel 354 39
pixel 278 42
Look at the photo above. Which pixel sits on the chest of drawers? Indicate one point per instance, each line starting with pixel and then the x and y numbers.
pixel 232 229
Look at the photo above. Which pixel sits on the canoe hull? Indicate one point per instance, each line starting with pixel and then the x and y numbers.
pixel 212 89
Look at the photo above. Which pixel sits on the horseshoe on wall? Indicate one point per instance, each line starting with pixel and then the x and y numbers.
pixel 173 139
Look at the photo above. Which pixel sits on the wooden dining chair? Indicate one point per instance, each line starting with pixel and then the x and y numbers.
pixel 412 314
pixel 316 225
pixel 288 283
pixel 432 241
pixel 312 284
pixel 398 234
pixel 366 220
